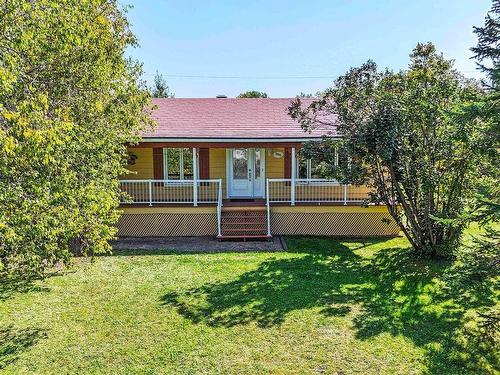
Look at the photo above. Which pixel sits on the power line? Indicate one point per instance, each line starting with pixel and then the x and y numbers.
pixel 242 77
pixel 257 77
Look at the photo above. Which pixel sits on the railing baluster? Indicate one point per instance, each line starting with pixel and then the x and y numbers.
pixel 219 208
pixel 311 190
pixel 277 190
pixel 169 191
pixel 150 186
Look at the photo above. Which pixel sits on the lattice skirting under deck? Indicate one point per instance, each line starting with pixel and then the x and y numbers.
pixel 167 225
pixel 340 224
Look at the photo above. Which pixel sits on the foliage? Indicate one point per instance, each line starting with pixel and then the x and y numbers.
pixel 253 94
pixel 487 51
pixel 160 88
pixel 69 103
pixel 479 261
pixel 487 209
pixel 304 95
pixel 477 270
pixel 318 94
pixel 414 136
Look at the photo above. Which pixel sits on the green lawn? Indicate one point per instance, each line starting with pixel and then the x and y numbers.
pixel 321 307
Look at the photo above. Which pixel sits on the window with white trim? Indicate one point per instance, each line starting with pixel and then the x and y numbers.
pixel 311 168
pixel 178 163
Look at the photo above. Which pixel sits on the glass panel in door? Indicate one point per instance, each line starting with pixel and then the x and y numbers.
pixel 241 173
pixel 257 182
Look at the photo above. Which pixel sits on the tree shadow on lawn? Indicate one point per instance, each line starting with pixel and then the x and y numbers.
pixel 392 292
pixel 15 341
pixel 12 285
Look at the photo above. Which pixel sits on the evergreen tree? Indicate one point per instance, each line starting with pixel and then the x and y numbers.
pixel 160 88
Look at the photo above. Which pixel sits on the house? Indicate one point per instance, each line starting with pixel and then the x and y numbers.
pixel 232 168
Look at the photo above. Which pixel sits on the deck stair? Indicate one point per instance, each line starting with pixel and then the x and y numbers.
pixel 244 223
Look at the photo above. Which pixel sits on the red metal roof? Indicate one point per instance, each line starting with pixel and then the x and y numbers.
pixel 221 118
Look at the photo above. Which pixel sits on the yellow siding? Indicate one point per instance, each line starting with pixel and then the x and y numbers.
pixel 354 193
pixel 217 166
pixel 143 167
pixel 329 209
pixel 189 209
pixel 275 168
pixel 358 192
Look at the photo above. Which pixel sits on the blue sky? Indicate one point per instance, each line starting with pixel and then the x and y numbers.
pixel 311 38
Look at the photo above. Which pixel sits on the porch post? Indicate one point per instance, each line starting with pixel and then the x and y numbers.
pixel 292 175
pixel 195 177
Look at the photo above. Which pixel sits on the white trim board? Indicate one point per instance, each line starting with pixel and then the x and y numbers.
pixel 233 140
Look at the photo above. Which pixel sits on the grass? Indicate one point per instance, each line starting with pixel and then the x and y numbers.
pixel 324 306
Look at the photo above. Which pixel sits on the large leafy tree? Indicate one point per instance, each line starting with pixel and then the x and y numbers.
pixel 413 136
pixel 69 103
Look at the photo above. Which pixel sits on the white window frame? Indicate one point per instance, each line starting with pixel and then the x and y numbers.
pixel 181 163
pixel 309 167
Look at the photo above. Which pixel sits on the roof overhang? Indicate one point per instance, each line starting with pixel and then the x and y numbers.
pixel 231 140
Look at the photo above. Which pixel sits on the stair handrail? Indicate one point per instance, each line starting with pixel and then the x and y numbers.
pixel 219 209
pixel 268 208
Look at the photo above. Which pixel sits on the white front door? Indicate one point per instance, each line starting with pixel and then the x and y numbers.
pixel 245 172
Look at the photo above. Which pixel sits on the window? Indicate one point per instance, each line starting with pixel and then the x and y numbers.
pixel 317 169
pixel 303 167
pixel 312 168
pixel 178 163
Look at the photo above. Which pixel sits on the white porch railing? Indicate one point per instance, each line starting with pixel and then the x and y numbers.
pixel 290 190
pixel 174 191
pixel 284 190
pixel 171 191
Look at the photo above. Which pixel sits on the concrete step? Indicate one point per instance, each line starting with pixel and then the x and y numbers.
pixel 244 237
